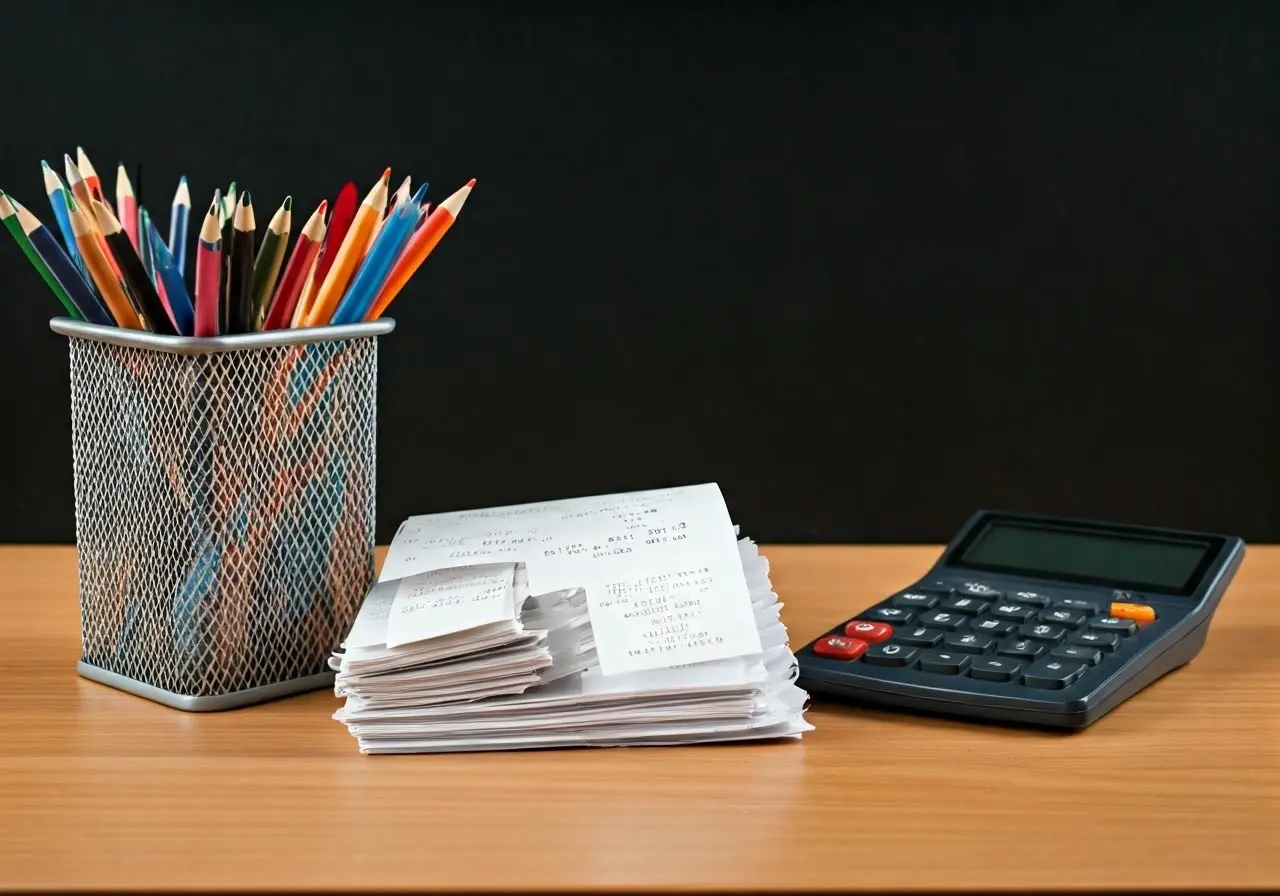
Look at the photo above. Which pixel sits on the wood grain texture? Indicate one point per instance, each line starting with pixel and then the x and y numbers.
pixel 1179 788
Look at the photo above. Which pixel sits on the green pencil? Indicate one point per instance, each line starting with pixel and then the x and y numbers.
pixel 266 267
pixel 9 215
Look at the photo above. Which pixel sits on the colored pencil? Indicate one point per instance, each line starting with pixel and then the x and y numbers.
pixel 308 290
pixel 391 205
pixel 86 304
pixel 127 205
pixel 179 213
pixel 266 267
pixel 56 190
pixel 344 212
pixel 9 215
pixel 84 198
pixel 240 272
pixel 419 247
pixel 152 312
pixel 301 262
pixel 91 180
pixel 144 251
pixel 169 283
pixel 148 256
pixel 89 242
pixel 209 271
pixel 335 282
pixel 377 264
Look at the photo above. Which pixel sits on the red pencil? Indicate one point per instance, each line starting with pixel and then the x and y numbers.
pixel 127 206
pixel 344 212
pixel 209 270
pixel 91 179
pixel 295 272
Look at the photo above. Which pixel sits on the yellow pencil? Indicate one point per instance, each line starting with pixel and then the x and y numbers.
pixel 349 254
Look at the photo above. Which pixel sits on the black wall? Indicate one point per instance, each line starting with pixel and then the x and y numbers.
pixel 869 266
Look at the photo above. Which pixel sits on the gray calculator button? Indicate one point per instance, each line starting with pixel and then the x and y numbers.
pixel 1084 606
pixel 1079 654
pixel 1052 673
pixel 1097 640
pixel 1064 616
pixel 889 614
pixel 969 642
pixel 942 662
pixel 915 600
pixel 993 669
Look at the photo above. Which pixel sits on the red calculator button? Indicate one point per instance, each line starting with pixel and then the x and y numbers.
pixel 840 648
pixel 871 632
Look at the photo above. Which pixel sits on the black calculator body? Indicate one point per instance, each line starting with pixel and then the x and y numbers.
pixel 1031 620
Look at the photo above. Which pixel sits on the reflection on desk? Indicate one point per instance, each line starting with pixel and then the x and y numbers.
pixel 1180 787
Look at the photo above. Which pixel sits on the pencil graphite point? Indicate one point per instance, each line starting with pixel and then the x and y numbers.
pixel 288 203
pixel 386 176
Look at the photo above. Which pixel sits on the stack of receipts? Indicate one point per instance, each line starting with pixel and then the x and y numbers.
pixel 633 619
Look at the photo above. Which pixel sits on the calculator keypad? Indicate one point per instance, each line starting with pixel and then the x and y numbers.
pixel 1029 638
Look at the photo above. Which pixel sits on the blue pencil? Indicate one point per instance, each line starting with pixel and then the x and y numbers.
pixel 60 266
pixel 175 288
pixel 178 216
pixel 377 264
pixel 144 246
pixel 57 192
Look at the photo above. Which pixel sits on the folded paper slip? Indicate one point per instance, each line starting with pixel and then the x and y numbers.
pixel 465 658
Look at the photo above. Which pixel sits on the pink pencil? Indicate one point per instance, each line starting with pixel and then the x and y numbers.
pixel 209 271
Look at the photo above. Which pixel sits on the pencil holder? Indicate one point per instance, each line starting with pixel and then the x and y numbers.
pixel 224 502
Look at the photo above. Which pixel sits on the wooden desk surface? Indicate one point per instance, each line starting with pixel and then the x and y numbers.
pixel 1179 788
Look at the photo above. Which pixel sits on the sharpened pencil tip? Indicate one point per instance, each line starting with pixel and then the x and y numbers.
pixel 288 203
pixel 386 176
pixel 472 182
pixel 419 194
pixel 245 200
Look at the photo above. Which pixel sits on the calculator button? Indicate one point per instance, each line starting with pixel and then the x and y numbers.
pixel 1041 631
pixel 943 663
pixel 971 606
pixel 1063 616
pixel 969 643
pixel 1023 647
pixel 989 669
pixel 1136 612
pixel 871 632
pixel 889 614
pixel 839 648
pixel 1051 673
pixel 944 619
pixel 1096 640
pixel 1079 654
pixel 1084 606
pixel 1020 612
pixel 991 626
pixel 1130 597
pixel 890 655
pixel 919 636
pixel 1031 597
pixel 1114 624
pixel 915 600
pixel 977 589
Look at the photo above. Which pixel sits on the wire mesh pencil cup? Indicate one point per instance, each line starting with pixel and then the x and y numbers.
pixel 224 502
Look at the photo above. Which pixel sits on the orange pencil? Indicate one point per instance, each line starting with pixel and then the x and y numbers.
pixel 349 255
pixel 108 283
pixel 79 188
pixel 419 247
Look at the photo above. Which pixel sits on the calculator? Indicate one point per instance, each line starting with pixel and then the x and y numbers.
pixel 1035 620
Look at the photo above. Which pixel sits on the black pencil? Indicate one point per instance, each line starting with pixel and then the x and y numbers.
pixel 240 274
pixel 154 316
pixel 225 312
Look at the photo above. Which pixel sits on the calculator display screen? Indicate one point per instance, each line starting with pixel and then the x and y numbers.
pixel 1121 558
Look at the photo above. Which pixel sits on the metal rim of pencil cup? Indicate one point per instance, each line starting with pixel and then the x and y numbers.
pixel 208 345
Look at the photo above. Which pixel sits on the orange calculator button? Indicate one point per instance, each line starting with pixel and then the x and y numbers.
pixel 1136 612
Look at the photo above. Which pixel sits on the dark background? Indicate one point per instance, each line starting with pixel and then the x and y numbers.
pixel 869 266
